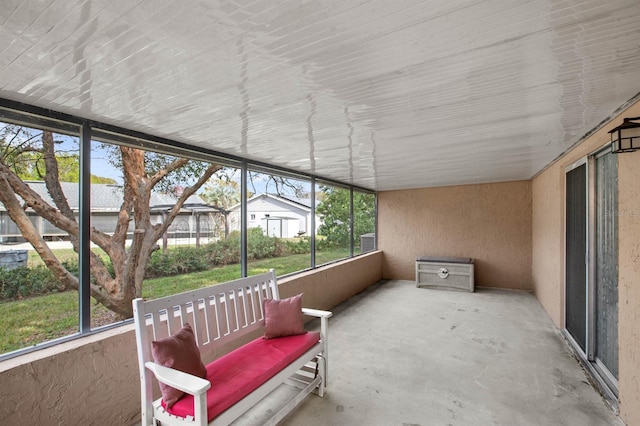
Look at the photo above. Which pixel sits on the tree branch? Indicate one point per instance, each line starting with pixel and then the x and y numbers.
pixel 52 179
pixel 188 192
pixel 33 199
pixel 171 167
pixel 29 232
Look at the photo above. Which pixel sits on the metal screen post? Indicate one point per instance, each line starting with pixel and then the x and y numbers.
pixel 85 229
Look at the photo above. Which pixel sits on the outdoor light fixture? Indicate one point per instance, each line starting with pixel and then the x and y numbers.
pixel 626 137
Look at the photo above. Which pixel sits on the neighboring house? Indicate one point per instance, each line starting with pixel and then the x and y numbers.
pixel 278 216
pixel 196 218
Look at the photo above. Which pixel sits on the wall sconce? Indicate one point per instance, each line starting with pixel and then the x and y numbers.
pixel 626 137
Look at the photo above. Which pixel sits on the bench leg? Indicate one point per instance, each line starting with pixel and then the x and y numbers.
pixel 200 409
pixel 322 366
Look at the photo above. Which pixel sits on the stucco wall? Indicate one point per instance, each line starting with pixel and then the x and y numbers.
pixel 328 286
pixel 547 242
pixel 629 286
pixel 548 195
pixel 94 380
pixel 488 222
pixel 74 383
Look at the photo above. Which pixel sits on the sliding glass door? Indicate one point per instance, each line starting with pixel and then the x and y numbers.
pixel 591 263
pixel 576 253
pixel 606 267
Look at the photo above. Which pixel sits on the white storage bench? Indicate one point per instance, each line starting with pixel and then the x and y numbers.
pixel 237 381
pixel 445 272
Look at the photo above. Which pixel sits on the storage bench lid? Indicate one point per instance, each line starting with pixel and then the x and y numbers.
pixel 444 259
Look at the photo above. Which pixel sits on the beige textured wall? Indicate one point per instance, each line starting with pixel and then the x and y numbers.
pixel 548 204
pixel 548 195
pixel 94 380
pixel 548 242
pixel 326 287
pixel 629 286
pixel 488 222
pixel 74 383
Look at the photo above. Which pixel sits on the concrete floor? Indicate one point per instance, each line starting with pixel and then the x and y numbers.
pixel 407 356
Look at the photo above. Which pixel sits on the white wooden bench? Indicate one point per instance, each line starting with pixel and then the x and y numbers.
pixel 218 315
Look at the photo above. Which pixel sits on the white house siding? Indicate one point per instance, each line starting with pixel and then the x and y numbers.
pixel 294 220
pixel 281 227
pixel 105 206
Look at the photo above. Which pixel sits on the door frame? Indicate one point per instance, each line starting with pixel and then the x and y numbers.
pixel 588 333
pixel 607 384
pixel 603 371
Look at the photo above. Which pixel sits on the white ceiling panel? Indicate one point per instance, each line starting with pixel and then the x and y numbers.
pixel 382 94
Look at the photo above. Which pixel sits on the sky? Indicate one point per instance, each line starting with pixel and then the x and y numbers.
pixel 101 167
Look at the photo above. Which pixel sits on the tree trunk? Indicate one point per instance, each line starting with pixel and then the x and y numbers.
pixel 118 291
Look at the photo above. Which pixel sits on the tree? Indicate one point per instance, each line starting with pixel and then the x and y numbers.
pixel 103 180
pixel 335 211
pixel 68 170
pixel 275 184
pixel 143 173
pixel 28 164
pixel 222 192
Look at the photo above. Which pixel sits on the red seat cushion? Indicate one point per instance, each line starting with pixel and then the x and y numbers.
pixel 242 371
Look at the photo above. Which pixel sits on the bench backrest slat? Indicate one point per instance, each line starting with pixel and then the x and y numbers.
pixel 178 323
pixel 216 314
pixel 234 296
pixel 245 306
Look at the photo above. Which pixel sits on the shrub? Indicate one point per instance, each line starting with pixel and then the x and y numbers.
pixel 259 246
pixel 25 282
pixel 324 244
pixel 298 246
pixel 224 252
pixel 182 260
pixel 175 261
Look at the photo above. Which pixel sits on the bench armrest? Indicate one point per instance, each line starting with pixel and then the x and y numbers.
pixel 185 382
pixel 324 320
pixel 316 313
pixel 324 332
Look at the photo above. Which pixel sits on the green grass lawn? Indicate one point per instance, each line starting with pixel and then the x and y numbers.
pixel 34 320
pixel 34 258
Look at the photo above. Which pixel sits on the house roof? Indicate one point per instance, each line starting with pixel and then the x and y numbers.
pixel 381 94
pixel 108 198
pixel 297 202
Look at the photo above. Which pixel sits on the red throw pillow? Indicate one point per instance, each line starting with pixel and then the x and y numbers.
pixel 283 317
pixel 179 352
